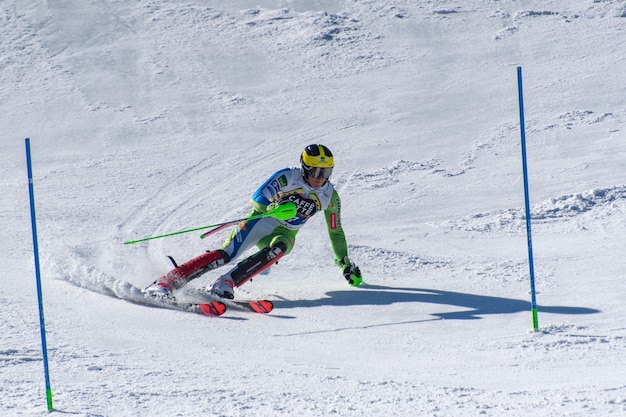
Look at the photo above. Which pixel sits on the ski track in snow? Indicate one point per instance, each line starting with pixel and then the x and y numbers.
pixel 586 210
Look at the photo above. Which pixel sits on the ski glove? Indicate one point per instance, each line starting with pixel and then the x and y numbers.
pixel 282 210
pixel 350 271
pixel 272 206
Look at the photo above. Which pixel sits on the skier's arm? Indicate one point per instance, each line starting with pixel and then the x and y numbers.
pixel 350 271
pixel 267 192
pixel 335 231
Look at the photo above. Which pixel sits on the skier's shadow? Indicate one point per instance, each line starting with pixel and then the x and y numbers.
pixel 473 306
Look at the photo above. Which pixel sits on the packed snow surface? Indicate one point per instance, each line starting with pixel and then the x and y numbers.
pixel 154 116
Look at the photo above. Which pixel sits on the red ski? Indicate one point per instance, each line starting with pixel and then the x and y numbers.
pixel 219 307
pixel 208 308
pixel 214 308
pixel 256 306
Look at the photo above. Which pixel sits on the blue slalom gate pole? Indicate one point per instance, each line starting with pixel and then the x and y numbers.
pixel 42 326
pixel 533 298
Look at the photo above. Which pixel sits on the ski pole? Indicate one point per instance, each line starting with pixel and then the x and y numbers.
pixel 42 325
pixel 283 212
pixel 533 297
pixel 217 229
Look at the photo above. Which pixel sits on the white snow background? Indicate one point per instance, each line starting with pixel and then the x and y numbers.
pixel 149 117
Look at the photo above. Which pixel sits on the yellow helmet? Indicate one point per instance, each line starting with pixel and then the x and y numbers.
pixel 317 160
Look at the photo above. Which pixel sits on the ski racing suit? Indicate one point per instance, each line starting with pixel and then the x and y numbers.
pixel 274 238
pixel 288 185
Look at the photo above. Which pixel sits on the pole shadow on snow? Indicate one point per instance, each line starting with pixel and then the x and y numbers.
pixel 473 305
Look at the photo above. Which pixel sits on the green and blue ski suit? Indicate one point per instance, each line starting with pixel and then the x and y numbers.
pixel 288 185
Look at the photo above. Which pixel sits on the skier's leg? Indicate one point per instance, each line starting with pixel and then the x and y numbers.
pixel 243 237
pixel 246 269
pixel 273 247
pixel 184 273
pixel 246 235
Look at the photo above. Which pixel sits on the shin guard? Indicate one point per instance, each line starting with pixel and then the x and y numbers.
pixel 257 263
pixel 193 268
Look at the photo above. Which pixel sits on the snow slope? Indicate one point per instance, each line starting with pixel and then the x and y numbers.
pixel 150 117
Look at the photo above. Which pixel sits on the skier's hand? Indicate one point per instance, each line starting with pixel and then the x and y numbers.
pixel 282 210
pixel 272 206
pixel 350 271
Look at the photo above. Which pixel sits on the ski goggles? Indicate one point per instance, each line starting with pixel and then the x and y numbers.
pixel 316 172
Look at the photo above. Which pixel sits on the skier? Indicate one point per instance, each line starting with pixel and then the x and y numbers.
pixel 310 189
